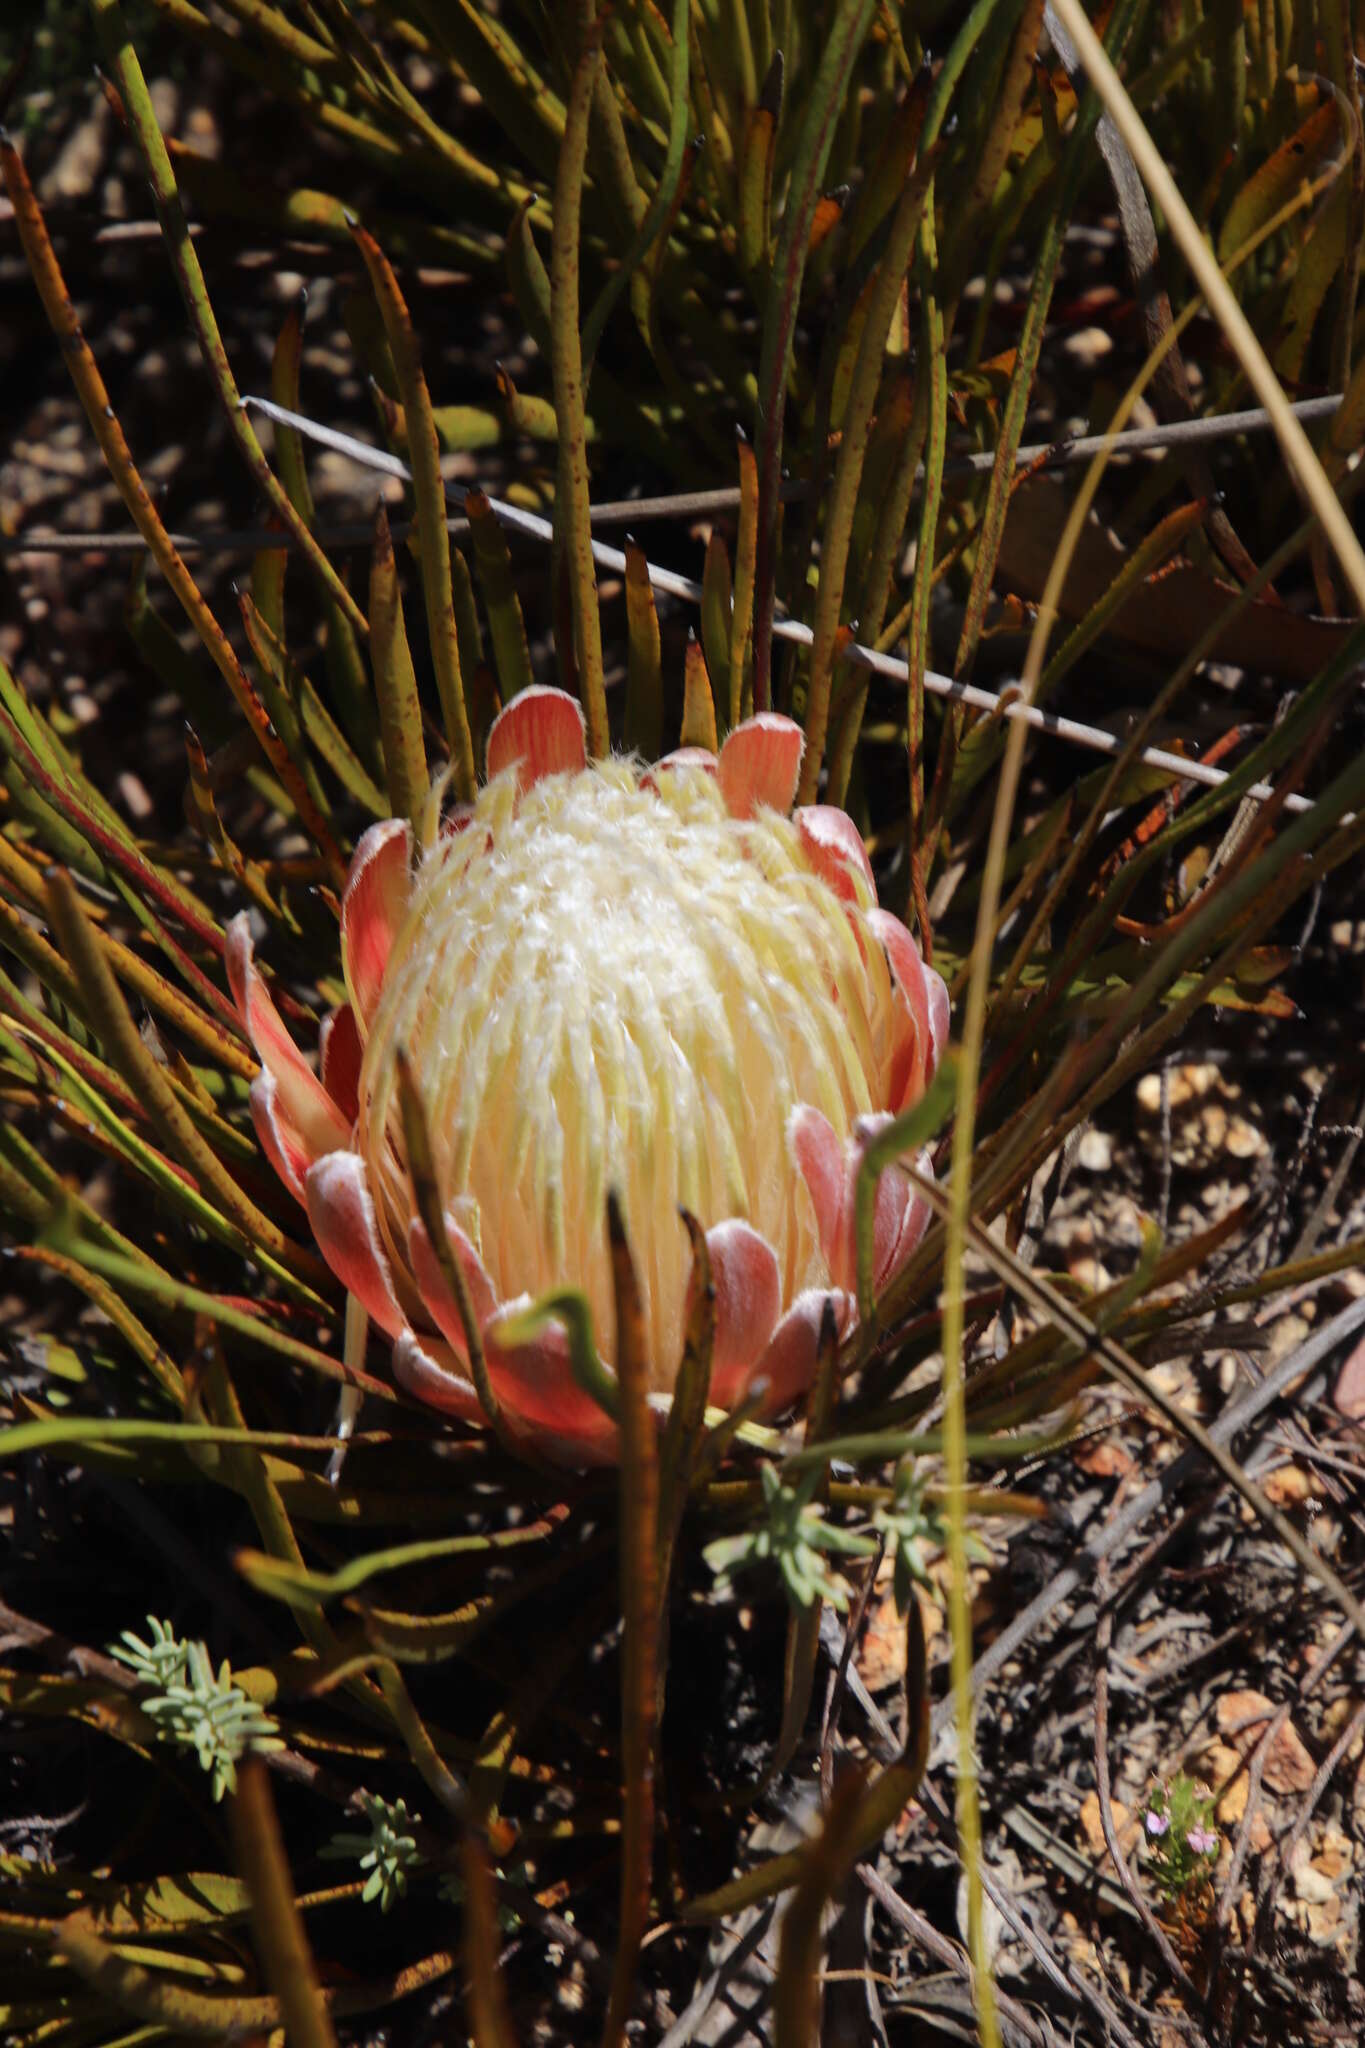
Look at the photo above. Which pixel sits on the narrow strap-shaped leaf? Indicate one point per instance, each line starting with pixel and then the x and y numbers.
pixel 469 166
pixel 158 2000
pixel 299 1585
pixel 421 1744
pixel 529 279
pixel 431 1208
pixel 66 1210
pixel 435 1638
pixel 268 566
pixel 611 167
pixel 36 738
pixel 310 715
pixel 844 41
pixel 38 1027
pixel 1009 57
pixel 533 417
pixel 884 178
pixel 822 1868
pixel 644 662
pixel 44 763
pixel 486 2014
pixel 61 840
pixel 742 600
pixel 467 631
pixel 888 541
pixel 802 1646
pixel 174 666
pixel 493 563
pixel 137 102
pixel 756 151
pixel 345 667
pixel 400 708
pixel 1166 536
pixel 571 1309
pixel 716 606
pixel 687 1414
pixel 43 961
pixel 141 884
pixel 179 1297
pixel 503 75
pixel 284 389
pixel 224 1045
pixel 639 1527
pixel 665 191
pixel 244 873
pixel 18 1197
pixel 430 504
pixel 277 685
pixel 94 397
pixel 161 2002
pixel 250 1475
pixel 99 1120
pixel 337 751
pixel 1046 258
pixel 120 1035
pixel 288 1961
pixel 459 428
pixel 573 510
pixel 913 1128
pixel 932 346
pixel 109 1300
pixel 848 470
pixel 699 704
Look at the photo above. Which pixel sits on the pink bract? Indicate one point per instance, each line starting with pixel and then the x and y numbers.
pixel 602 973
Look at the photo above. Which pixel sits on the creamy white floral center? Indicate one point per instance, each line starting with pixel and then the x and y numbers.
pixel 601 985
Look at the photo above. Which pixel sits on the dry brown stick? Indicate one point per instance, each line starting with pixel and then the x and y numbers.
pixel 947 1952
pixel 1104 1635
pixel 1307 1240
pixel 1239 1853
pixel 1309 1686
pixel 1237 1416
pixel 1170 386
pixel 1064 1975
pixel 838 1678
pixel 1322 1778
pixel 678 505
pixel 65 1655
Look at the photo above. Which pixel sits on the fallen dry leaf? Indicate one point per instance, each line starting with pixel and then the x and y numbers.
pixel 1225 1770
pixel 1103 1459
pixel 1312 1885
pixel 1168 612
pixel 880 1656
pixel 1290 1487
pixel 1092 1826
pixel 1334 1720
pixel 1322 1923
pixel 1350 1388
pixel 1242 1719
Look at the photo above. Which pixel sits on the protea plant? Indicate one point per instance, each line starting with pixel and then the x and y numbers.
pixel 620 1105
pixel 605 975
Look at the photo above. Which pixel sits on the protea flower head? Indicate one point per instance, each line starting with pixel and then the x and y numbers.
pixel 607 976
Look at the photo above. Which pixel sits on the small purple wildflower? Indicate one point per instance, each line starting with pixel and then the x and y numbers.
pixel 1203 1841
pixel 1157 1823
